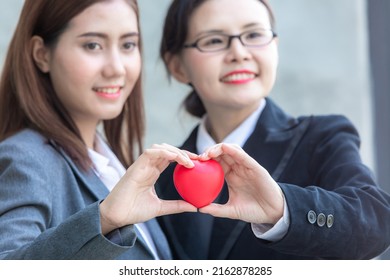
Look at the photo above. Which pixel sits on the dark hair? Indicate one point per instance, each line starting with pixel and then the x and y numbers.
pixel 174 35
pixel 27 97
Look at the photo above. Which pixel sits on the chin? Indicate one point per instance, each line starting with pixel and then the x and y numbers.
pixel 111 115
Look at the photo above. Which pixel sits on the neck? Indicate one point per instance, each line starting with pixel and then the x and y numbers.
pixel 87 132
pixel 219 126
pixel 220 123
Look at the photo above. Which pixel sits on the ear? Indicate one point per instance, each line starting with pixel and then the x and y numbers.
pixel 175 68
pixel 41 54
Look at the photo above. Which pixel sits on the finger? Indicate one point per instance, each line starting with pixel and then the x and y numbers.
pixel 191 155
pixel 212 152
pixel 217 210
pixel 184 156
pixel 237 154
pixel 225 159
pixel 169 153
pixel 175 206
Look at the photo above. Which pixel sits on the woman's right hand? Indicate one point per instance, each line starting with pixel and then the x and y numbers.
pixel 134 200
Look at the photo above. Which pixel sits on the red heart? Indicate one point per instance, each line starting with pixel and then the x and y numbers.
pixel 201 184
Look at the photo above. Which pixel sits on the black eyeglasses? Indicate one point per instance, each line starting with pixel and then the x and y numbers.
pixel 217 42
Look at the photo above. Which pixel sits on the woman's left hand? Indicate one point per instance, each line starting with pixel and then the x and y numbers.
pixel 254 196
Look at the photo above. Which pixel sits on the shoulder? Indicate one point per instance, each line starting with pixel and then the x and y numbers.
pixel 331 121
pixel 25 138
pixel 28 146
pixel 31 168
pixel 323 125
pixel 331 132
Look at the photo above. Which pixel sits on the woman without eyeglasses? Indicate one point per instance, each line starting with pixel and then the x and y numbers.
pixel 67 191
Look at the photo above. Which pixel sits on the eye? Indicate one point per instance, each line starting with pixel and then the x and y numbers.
pixel 92 46
pixel 211 41
pixel 257 37
pixel 254 35
pixel 129 46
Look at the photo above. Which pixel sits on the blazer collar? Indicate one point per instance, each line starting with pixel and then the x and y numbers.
pixel 273 125
pixel 274 120
pixel 90 180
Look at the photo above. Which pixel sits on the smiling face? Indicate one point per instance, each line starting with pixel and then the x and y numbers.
pixel 236 79
pixel 96 62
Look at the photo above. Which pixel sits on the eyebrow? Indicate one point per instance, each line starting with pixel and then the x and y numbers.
pixel 105 36
pixel 212 31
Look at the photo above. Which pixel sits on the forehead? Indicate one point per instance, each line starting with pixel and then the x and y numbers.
pixel 228 15
pixel 106 15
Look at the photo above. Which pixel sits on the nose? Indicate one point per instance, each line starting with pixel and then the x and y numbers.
pixel 237 51
pixel 114 65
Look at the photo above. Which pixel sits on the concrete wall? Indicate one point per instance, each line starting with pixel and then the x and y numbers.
pixel 9 13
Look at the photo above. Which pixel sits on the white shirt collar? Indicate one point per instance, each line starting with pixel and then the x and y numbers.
pixel 237 136
pixel 103 156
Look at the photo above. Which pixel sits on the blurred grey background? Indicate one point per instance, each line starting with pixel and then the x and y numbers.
pixel 334 59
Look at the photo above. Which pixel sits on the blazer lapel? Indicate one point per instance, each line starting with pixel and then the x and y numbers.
pixel 157 236
pixel 89 179
pixel 160 240
pixel 271 137
pixel 268 145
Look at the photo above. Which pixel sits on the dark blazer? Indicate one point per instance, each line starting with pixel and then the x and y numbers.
pixel 336 209
pixel 49 208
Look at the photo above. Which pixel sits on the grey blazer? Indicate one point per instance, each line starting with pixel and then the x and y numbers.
pixel 49 208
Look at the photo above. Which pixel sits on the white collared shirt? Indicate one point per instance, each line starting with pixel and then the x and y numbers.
pixel 239 136
pixel 109 169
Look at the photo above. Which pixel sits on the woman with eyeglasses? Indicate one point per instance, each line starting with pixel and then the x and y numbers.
pixel 296 188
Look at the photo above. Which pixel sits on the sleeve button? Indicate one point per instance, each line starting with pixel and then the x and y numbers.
pixel 311 217
pixel 329 221
pixel 321 219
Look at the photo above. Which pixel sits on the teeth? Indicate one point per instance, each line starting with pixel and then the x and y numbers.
pixel 108 90
pixel 239 77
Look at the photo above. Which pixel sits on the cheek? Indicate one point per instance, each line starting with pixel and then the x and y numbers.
pixel 268 62
pixel 71 71
pixel 273 59
pixel 201 69
pixel 71 81
pixel 134 67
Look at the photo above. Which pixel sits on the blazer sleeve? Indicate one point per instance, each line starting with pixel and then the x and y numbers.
pixel 339 212
pixel 26 212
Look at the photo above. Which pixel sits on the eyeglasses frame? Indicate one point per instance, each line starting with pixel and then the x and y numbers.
pixel 230 38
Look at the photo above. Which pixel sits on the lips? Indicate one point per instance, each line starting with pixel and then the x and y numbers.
pixel 239 77
pixel 107 90
pixel 112 92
